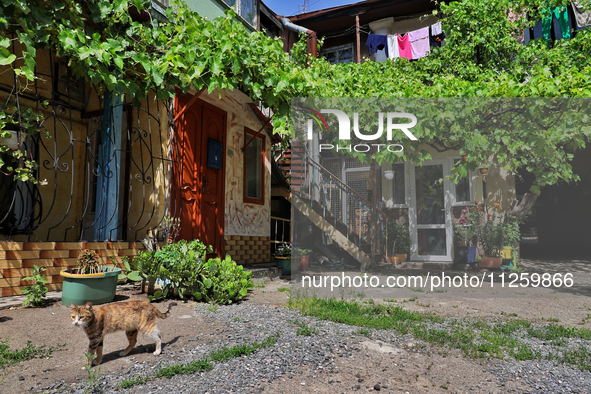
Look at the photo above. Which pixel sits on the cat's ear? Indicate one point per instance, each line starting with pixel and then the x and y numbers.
pixel 72 306
pixel 88 305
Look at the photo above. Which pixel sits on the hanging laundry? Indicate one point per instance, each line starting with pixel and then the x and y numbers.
pixel 404 46
pixel 437 41
pixel 517 15
pixel 376 42
pixel 393 46
pixel 437 37
pixel 583 17
pixel 419 42
pixel 562 15
pixel 436 29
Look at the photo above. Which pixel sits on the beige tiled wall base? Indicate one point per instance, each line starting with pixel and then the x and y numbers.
pixel 246 249
pixel 17 260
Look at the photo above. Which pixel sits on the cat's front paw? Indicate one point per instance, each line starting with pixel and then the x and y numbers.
pixel 122 353
pixel 94 363
pixel 157 352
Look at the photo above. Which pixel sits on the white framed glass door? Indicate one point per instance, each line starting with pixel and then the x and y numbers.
pixel 430 211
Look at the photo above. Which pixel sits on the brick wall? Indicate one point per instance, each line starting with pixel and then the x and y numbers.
pixel 246 249
pixel 18 258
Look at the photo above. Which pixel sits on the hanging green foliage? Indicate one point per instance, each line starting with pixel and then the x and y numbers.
pixel 481 58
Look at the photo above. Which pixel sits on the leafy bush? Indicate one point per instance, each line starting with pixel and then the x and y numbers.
pixel 398 237
pixel 497 231
pixel 229 281
pixel 35 292
pixel 180 266
pixel 147 265
pixel 129 269
pixel 183 268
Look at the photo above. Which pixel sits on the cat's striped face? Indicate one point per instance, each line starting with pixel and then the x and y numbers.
pixel 81 316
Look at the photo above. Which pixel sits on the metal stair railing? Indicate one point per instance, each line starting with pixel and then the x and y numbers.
pixel 339 204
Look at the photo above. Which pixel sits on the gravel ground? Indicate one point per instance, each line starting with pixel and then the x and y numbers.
pixel 335 360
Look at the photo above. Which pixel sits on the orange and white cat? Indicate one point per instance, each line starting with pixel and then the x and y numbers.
pixel 131 317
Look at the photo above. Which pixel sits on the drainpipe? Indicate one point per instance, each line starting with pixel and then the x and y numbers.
pixel 312 46
pixel 312 40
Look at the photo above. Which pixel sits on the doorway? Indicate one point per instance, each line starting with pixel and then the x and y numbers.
pixel 430 218
pixel 202 147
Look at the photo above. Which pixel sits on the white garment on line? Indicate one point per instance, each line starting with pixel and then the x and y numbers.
pixel 436 29
pixel 393 46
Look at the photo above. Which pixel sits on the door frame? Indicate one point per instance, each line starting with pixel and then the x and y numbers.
pixel 448 199
pixel 346 200
pixel 200 164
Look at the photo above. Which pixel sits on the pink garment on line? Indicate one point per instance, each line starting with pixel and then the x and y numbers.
pixel 419 42
pixel 404 46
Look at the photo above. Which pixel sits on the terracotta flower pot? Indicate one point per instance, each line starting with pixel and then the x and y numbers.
pixel 491 262
pixel 483 171
pixel 401 257
pixel 303 263
pixel 394 259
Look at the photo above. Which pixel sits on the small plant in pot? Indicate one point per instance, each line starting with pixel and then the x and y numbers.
pixel 302 256
pixel 283 258
pixel 398 241
pixel 497 231
pixel 89 281
pixel 466 229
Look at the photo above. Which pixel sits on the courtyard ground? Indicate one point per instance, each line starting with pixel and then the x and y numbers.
pixel 335 358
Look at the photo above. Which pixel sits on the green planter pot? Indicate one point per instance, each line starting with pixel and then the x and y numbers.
pixel 284 263
pixel 96 288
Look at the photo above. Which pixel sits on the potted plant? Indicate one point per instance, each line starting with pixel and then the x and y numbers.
pixel 302 256
pixel 496 231
pixel 89 281
pixel 398 241
pixel 283 258
pixel 466 229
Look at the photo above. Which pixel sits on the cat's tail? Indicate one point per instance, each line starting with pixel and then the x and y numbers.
pixel 164 315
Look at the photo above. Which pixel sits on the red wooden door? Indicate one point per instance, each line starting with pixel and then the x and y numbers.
pixel 201 127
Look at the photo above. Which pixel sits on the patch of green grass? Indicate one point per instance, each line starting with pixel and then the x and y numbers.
pixel 92 382
pixel 184 369
pixel 284 289
pixel 553 331
pixel 10 357
pixel 362 331
pixel 204 364
pixel 213 307
pixel 581 357
pixel 305 329
pixel 261 284
pixel 417 289
pixel 477 339
pixel 132 382
pixel 509 314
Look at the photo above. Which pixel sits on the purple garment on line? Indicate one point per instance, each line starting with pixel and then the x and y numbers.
pixel 419 42
pixel 376 42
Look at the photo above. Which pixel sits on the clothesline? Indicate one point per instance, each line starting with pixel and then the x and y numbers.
pixel 413 44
